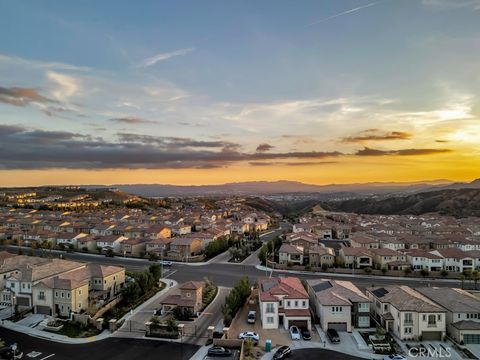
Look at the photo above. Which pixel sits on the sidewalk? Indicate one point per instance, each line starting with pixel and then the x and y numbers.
pixel 354 276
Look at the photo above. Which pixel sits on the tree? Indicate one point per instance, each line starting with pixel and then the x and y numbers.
pixel 152 256
pixel 424 272
pixel 171 323
pixel 407 271
pixel 384 270
pixel 462 279
pixel 475 275
pixel 235 299
pixel 109 253
pixel 443 273
pixel 367 270
pixel 99 249
pixel 156 272
pixel 324 267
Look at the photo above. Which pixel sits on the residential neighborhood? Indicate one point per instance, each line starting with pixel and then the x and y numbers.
pixel 324 280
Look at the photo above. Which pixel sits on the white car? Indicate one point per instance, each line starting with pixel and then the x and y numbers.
pixel 249 335
pixel 295 333
pixel 395 357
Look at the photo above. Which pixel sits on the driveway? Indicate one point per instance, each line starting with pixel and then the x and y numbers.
pixel 196 331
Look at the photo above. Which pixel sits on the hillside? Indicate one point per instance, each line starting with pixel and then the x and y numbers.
pixel 276 187
pixel 458 203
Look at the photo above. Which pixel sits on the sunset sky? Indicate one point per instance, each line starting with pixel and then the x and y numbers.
pixel 206 92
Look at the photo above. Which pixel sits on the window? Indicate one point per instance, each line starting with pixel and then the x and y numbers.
pixel 288 303
pixel 41 295
pixel 424 317
pixel 431 320
pixel 79 305
pixel 62 294
pixel 270 308
pixel 408 318
pixel 269 319
pixel 188 294
pixel 23 286
pixel 68 295
pixel 408 330
pixel 56 293
pixel 296 303
pixel 439 317
pixel 80 292
pixel 385 307
pixel 337 309
pixel 304 303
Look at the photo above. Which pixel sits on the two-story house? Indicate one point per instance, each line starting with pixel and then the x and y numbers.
pixel 189 297
pixel 463 312
pixel 406 313
pixel 283 302
pixel 338 305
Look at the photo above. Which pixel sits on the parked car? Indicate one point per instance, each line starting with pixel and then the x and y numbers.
pixel 251 317
pixel 295 333
pixel 11 352
pixel 282 353
pixel 219 351
pixel 395 357
pixel 306 334
pixel 250 335
pixel 165 263
pixel 333 336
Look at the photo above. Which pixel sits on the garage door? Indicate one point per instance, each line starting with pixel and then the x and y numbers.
pixel 45 310
pixel 299 323
pixel 431 335
pixel 471 339
pixel 338 326
pixel 23 301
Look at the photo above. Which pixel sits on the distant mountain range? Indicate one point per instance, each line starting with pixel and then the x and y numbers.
pixel 462 202
pixel 286 187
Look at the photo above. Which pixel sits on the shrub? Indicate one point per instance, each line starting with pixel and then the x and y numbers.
pixel 367 270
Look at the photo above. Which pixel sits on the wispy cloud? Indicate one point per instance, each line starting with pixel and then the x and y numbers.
pixel 18 96
pixel 453 4
pixel 264 147
pixel 343 13
pixel 403 152
pixel 164 56
pixel 132 120
pixel 37 64
pixel 376 135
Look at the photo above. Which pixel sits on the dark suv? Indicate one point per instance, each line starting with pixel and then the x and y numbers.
pixel 333 336
pixel 282 353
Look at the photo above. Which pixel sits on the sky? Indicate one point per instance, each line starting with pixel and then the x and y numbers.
pixel 208 92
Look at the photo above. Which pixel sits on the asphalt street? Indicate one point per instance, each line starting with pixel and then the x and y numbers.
pixel 315 354
pixel 112 348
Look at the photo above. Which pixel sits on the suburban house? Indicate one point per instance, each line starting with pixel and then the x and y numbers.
pixel 55 286
pixel 189 297
pixel 283 302
pixel 406 313
pixel 290 254
pixel 356 258
pixel 455 259
pixel 339 305
pixel 423 259
pixel 304 240
pixel 156 232
pixel 384 256
pixel 111 242
pixel 463 312
pixel 134 247
pixel 159 245
pixel 185 247
pixel 359 240
pixel 320 256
